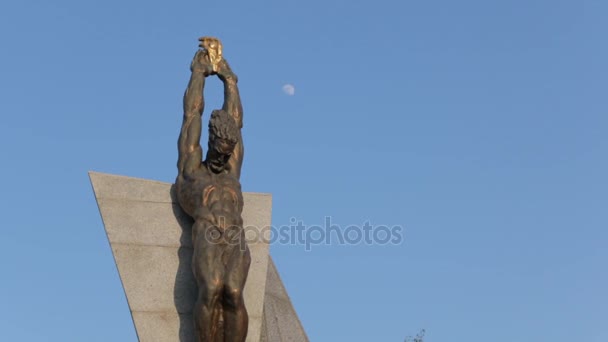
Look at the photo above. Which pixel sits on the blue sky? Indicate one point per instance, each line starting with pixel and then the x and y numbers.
pixel 478 126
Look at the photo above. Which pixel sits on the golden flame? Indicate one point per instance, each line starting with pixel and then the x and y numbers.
pixel 213 46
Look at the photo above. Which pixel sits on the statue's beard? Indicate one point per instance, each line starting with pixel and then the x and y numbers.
pixel 216 167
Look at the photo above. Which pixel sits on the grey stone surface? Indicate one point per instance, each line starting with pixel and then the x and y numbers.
pixel 281 323
pixel 151 241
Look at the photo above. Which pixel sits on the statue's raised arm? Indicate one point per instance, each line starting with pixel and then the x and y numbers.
pixel 189 147
pixel 232 105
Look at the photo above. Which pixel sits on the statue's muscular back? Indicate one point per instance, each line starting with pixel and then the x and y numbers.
pixel 213 198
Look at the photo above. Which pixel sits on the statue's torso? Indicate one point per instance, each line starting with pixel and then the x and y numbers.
pixel 214 198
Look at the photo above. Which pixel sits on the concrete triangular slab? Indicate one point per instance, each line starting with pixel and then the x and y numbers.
pixel 150 237
pixel 281 323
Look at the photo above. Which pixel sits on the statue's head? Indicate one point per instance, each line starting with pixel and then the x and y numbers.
pixel 223 136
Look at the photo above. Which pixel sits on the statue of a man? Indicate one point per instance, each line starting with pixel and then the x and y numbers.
pixel 210 192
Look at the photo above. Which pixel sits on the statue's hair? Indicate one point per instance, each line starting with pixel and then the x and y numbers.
pixel 223 126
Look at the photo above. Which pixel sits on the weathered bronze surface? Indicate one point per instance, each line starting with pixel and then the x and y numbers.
pixel 210 192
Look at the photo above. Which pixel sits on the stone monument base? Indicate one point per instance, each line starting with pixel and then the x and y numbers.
pixel 150 237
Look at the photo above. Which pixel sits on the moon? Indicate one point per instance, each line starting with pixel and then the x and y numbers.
pixel 289 89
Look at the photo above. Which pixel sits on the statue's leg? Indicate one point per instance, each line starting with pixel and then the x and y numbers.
pixel 209 274
pixel 235 314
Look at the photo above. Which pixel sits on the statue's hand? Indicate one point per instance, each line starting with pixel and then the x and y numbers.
pixel 201 63
pixel 224 72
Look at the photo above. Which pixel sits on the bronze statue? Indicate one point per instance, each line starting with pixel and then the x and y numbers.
pixel 210 192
